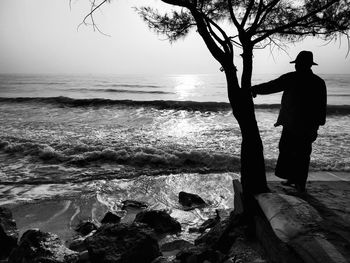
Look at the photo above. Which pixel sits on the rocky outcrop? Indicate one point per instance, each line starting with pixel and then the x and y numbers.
pixel 38 246
pixel 111 218
pixel 190 201
pixel 77 244
pixel 199 254
pixel 8 232
pixel 85 228
pixel 174 245
pixel 160 221
pixel 127 204
pixel 209 223
pixel 221 236
pixel 123 243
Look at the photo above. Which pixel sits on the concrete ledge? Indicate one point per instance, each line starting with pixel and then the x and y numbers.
pixel 292 232
pixel 289 216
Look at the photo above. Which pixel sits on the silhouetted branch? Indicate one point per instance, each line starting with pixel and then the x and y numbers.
pixel 233 17
pixel 264 12
pixel 90 15
pixel 281 29
pixel 226 43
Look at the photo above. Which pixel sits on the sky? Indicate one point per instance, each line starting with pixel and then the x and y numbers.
pixel 42 37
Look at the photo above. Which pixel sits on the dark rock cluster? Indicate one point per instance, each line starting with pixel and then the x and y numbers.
pixel 159 221
pixel 113 241
pixel 8 233
pixel 38 246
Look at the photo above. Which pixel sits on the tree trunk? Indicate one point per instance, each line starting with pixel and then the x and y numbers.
pixel 253 176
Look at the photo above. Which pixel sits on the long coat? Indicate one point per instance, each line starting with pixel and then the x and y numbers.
pixel 304 99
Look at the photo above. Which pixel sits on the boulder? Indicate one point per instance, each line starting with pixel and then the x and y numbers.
pixel 160 221
pixel 178 244
pixel 199 254
pixel 191 201
pixel 209 223
pixel 8 232
pixel 77 244
pixel 123 243
pixel 222 235
pixel 85 228
pixel 111 218
pixel 134 204
pixel 38 246
pixel 163 259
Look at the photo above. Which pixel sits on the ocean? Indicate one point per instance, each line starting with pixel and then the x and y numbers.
pixel 88 140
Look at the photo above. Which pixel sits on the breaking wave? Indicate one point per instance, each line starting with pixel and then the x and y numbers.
pixel 159 104
pixel 127 86
pixel 123 91
pixel 146 159
pixel 83 154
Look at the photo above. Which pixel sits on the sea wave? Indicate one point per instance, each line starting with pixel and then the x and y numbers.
pixel 159 104
pixel 123 91
pixel 123 85
pixel 149 157
pixel 141 160
pixel 24 83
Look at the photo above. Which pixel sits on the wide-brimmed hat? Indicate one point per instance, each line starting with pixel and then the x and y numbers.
pixel 305 57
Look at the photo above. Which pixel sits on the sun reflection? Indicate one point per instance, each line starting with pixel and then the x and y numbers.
pixel 185 85
pixel 181 128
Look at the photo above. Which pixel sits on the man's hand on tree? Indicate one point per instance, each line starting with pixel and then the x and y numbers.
pixel 253 92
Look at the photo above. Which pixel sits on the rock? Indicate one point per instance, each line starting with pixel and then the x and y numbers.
pixel 77 244
pixel 8 232
pixel 160 221
pixel 200 254
pixel 38 246
pixel 163 260
pixel 134 204
pixel 222 235
pixel 178 244
pixel 114 243
pixel 111 218
pixel 85 227
pixel 191 201
pixel 209 223
pixel 84 257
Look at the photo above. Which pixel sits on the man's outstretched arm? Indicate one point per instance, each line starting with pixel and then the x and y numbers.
pixel 272 86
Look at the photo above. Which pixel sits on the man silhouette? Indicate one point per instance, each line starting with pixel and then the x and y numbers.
pixel 303 110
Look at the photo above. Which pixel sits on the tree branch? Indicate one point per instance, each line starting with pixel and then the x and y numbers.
pixel 293 23
pixel 94 7
pixel 247 12
pixel 214 49
pixel 226 43
pixel 233 17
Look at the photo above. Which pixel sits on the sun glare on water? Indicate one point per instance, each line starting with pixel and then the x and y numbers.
pixel 186 86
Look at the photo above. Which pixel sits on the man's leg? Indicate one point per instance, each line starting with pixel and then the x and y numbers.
pixel 302 161
pixel 283 167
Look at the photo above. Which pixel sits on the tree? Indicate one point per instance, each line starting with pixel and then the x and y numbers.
pixel 255 24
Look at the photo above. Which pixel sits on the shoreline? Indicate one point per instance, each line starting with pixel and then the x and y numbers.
pixel 28 211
